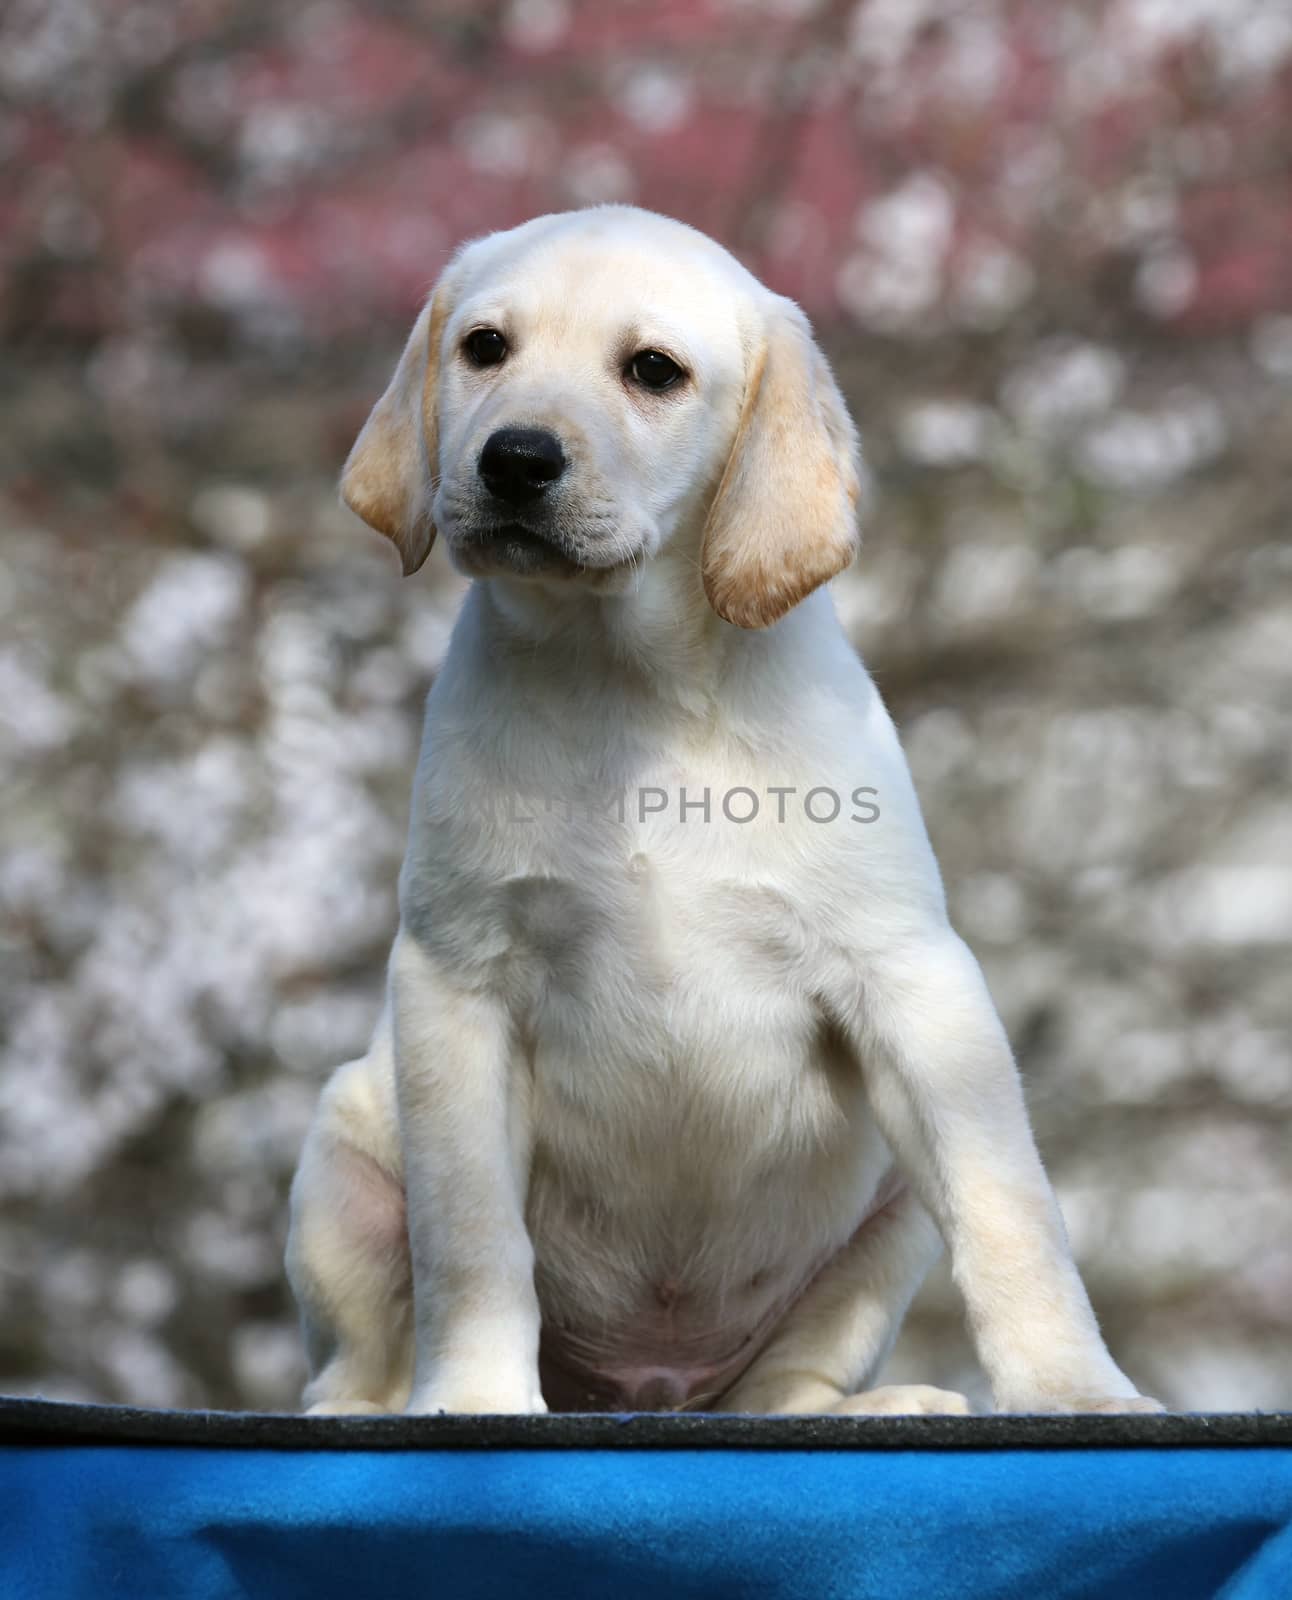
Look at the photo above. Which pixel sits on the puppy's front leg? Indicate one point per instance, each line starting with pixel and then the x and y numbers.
pixel 464 1126
pixel 944 1089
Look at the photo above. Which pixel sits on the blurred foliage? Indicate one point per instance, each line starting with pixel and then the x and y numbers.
pixel 1048 244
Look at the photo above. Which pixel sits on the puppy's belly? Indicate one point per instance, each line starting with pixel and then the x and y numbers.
pixel 662 1358
pixel 676 1347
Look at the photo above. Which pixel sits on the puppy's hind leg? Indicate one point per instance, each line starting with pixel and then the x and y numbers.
pixel 837 1336
pixel 347 1258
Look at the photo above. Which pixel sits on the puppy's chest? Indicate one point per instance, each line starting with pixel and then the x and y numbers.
pixel 659 968
pixel 664 994
pixel 650 923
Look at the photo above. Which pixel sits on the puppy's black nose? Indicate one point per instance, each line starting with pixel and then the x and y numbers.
pixel 517 464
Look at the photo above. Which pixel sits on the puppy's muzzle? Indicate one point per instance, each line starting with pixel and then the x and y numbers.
pixel 518 464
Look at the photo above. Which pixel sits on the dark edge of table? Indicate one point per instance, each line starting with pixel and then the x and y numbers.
pixel 55 1422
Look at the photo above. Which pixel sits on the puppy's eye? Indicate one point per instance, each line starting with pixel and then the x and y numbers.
pixel 654 370
pixel 486 347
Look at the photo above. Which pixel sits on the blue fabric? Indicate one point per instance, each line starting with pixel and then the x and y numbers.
pixel 152 1523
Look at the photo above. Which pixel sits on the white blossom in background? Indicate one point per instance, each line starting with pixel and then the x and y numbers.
pixel 945 433
pixel 536 24
pixel 896 277
pixel 1145 450
pixel 1061 384
pixel 1251 37
pixel 231 513
pixel 1271 341
pixel 656 98
pixel 190 607
pixel 32 715
pixel 504 145
pixel 991 285
pixel 596 174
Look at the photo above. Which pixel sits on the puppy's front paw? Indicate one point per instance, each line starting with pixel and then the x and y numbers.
pixel 903 1400
pixel 1113 1403
pixel 479 1402
pixel 476 1392
pixel 1085 1405
pixel 346 1408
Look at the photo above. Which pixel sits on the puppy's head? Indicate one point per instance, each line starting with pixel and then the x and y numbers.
pixel 589 388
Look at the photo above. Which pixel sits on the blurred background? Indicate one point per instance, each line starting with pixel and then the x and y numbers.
pixel 1048 244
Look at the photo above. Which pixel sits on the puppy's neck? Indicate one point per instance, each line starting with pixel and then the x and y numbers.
pixel 658 635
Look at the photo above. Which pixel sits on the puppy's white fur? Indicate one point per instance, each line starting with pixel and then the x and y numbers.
pixel 688 1099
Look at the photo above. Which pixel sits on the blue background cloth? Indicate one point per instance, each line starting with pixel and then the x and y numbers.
pixel 154 1521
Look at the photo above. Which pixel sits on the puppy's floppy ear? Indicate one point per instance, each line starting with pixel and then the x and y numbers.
pixel 388 479
pixel 784 518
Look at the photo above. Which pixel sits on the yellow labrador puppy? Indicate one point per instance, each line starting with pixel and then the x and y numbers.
pixel 683 1078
